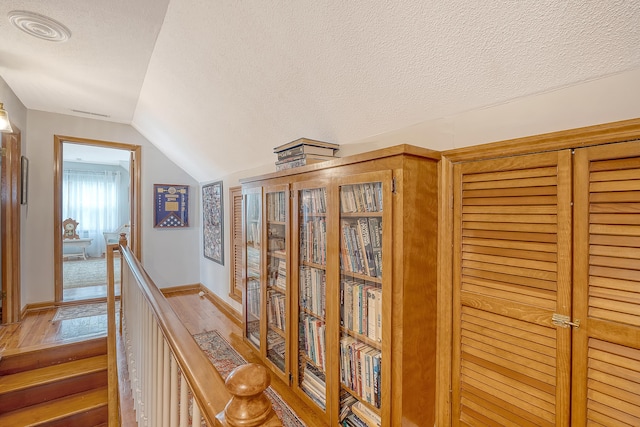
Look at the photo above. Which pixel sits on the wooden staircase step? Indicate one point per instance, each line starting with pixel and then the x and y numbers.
pixel 82 410
pixel 38 385
pixel 35 377
pixel 39 356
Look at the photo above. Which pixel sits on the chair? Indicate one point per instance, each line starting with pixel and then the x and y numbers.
pixel 113 237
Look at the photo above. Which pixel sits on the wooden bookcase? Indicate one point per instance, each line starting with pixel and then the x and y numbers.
pixel 360 239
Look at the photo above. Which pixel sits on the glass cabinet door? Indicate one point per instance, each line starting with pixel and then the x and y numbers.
pixel 276 211
pixel 361 292
pixel 311 222
pixel 253 272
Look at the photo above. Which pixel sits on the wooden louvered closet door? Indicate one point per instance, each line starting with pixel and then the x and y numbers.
pixel 235 289
pixel 512 272
pixel 606 351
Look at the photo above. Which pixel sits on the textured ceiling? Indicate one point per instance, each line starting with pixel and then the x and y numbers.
pixel 217 84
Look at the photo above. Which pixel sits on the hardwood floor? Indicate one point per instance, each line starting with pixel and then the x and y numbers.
pixel 37 329
pixel 86 292
pixel 199 314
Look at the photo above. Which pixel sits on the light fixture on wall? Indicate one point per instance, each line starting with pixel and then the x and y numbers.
pixel 5 124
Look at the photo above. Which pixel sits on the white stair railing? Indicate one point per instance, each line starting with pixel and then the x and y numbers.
pixel 173 383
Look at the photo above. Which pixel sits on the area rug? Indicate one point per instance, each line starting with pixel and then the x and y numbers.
pixel 82 310
pixel 89 272
pixel 225 358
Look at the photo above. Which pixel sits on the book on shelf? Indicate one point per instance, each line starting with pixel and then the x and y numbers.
pixel 365 197
pixel 276 314
pixel 375 232
pixel 360 369
pixel 304 149
pixel 276 206
pixel 370 418
pixel 352 420
pixel 346 400
pixel 305 142
pixel 308 157
pixel 371 314
pixel 360 249
pixel 312 339
pixel 312 381
pixel 361 308
pixel 312 285
pixel 303 160
pixel 281 280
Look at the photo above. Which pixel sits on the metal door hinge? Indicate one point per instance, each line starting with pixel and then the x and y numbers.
pixel 393 186
pixel 3 152
pixel 564 321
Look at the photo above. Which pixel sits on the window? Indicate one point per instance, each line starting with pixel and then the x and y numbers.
pixel 93 199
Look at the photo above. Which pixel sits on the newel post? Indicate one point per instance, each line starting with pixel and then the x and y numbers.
pixel 249 405
pixel 123 239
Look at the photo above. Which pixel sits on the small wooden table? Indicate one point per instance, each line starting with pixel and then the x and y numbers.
pixel 82 244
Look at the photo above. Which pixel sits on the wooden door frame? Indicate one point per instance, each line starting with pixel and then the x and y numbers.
pixel 10 224
pixel 135 174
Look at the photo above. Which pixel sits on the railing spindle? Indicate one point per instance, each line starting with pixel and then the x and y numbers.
pixel 184 402
pixel 159 386
pixel 174 403
pixel 166 384
pixel 196 418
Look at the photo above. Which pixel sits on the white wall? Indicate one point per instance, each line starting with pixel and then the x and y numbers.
pixel 18 117
pixel 214 276
pixel 604 100
pixel 171 257
pixel 174 257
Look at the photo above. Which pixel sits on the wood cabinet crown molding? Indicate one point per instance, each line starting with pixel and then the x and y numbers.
pixel 625 130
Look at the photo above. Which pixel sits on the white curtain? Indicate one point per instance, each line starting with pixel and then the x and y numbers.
pixel 92 199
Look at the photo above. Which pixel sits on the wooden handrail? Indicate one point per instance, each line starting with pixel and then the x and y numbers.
pixel 112 368
pixel 221 404
pixel 207 384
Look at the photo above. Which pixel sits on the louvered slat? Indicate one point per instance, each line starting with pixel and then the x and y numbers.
pixel 507 224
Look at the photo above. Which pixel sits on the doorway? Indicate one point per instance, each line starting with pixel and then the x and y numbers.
pixel 10 211
pixel 96 198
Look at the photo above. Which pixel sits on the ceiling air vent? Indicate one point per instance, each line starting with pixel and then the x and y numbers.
pixel 39 26
pixel 90 113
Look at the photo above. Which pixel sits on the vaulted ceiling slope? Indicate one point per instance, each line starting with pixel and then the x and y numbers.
pixel 216 85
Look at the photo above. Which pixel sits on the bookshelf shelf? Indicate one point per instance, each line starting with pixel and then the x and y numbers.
pixel 277 330
pixel 276 254
pixel 360 337
pixel 361 277
pixel 357 397
pixel 361 214
pixel 311 313
pixel 314 265
pixel 360 268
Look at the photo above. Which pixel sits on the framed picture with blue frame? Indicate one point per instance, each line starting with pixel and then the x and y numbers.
pixel 171 206
pixel 213 222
